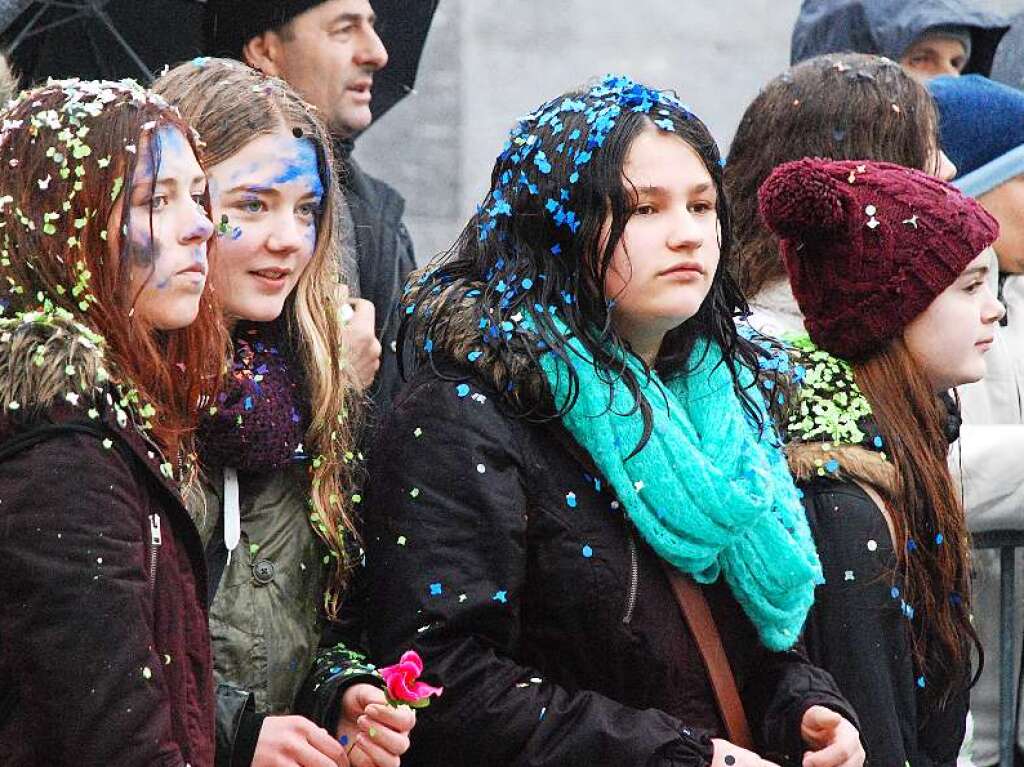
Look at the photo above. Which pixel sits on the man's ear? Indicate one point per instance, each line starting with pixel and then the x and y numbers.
pixel 264 52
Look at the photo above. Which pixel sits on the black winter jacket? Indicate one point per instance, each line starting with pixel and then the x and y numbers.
pixel 384 254
pixel 510 566
pixel 858 628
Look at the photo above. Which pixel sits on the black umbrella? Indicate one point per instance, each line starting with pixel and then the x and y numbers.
pixel 99 38
pixel 403 26
pixel 136 38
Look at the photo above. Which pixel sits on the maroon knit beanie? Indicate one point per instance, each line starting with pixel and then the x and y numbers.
pixel 868 246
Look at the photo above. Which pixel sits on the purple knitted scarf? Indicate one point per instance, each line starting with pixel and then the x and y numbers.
pixel 262 414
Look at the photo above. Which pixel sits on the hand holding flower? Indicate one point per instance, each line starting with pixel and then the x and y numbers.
pixel 376 733
pixel 403 685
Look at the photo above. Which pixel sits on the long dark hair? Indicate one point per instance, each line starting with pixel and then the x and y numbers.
pixel 539 245
pixel 930 529
pixel 848 106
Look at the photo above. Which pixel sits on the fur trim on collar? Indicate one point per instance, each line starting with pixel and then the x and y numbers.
pixel 48 360
pixel 507 368
pixel 809 460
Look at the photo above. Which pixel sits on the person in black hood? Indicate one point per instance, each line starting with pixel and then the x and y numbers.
pixel 928 37
pixel 301 41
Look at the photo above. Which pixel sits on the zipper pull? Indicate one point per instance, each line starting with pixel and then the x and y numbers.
pixel 154 529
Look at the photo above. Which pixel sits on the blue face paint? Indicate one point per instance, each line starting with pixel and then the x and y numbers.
pixel 301 163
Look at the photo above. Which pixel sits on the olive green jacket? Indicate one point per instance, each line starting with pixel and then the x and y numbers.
pixel 265 618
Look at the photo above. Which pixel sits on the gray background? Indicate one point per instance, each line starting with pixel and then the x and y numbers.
pixel 489 61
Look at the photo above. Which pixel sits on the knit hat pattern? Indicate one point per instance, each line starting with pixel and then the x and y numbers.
pixel 981 128
pixel 230 24
pixel 868 246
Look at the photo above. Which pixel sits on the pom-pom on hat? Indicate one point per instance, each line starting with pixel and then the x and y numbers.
pixel 868 246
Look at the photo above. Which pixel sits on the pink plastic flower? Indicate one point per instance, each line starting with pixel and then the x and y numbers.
pixel 403 683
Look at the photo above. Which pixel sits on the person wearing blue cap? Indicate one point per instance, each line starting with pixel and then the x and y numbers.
pixel 981 126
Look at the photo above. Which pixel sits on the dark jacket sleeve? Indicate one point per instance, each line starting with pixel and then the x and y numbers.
pixel 858 631
pixel 335 669
pixel 76 608
pixel 447 558
pixel 788 684
pixel 238 726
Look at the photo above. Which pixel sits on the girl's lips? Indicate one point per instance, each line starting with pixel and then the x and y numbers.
pixel 272 278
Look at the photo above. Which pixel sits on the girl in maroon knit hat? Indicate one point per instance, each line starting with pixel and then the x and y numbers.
pixel 886 265
pixel 846 106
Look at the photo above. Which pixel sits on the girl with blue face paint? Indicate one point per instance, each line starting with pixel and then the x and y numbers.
pixel 277 446
pixel 108 339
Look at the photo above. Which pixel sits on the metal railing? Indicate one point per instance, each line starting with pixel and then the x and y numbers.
pixel 1007 541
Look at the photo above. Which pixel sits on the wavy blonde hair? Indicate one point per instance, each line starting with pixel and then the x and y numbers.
pixel 230 104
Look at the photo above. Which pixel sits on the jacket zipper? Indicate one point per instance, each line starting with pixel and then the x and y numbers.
pixel 154 548
pixel 634 577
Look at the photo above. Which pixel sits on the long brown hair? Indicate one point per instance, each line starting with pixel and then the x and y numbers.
pixel 847 106
pixel 931 536
pixel 69 151
pixel 230 104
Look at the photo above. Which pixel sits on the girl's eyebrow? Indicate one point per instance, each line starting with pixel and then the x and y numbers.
pixel 253 188
pixel 172 182
pixel 655 190
pixel 976 271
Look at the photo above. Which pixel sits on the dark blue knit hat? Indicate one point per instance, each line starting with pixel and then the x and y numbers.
pixel 981 128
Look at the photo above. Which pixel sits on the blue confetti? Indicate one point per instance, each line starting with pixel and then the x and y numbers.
pixel 920 682
pixel 527 283
pixel 500 596
pixel 895 592
pixel 588 552
pixel 474 356
pixel 435 589
pixel 939 538
pixel 462 389
pixel 570 500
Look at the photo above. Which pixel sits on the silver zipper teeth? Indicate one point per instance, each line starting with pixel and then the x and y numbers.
pixel 634 578
pixel 154 548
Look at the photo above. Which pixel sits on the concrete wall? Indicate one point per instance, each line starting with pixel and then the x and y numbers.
pixel 489 61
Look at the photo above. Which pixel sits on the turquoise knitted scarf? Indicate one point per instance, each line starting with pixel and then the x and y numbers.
pixel 708 492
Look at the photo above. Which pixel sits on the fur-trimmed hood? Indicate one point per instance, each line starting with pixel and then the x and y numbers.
pixel 809 460
pixel 46 361
pixel 508 366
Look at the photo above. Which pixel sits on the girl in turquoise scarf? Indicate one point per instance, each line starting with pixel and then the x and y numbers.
pixel 583 326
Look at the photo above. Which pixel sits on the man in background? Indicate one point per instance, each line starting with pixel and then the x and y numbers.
pixel 329 52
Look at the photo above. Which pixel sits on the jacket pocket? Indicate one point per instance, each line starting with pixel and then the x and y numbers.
pixel 634 576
